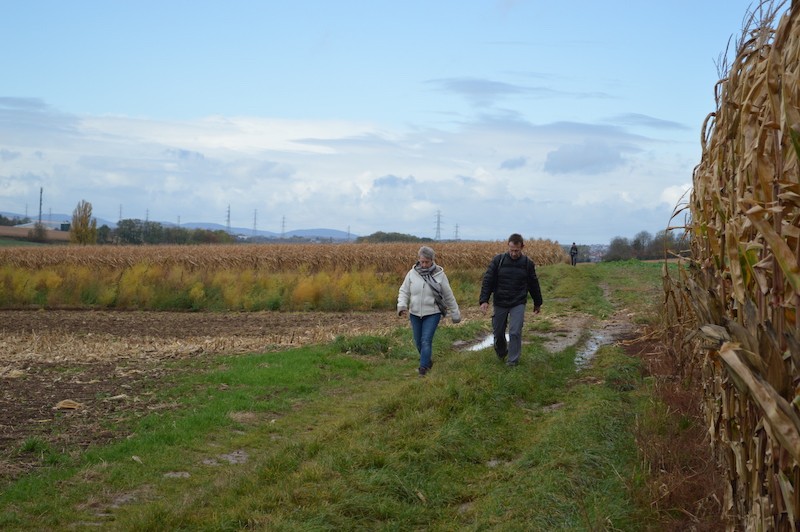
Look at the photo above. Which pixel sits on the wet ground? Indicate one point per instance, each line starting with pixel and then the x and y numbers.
pixel 71 379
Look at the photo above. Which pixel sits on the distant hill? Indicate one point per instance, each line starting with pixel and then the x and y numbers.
pixel 301 233
pixel 321 233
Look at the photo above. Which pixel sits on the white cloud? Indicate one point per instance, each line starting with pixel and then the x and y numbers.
pixel 513 164
pixel 638 119
pixel 585 158
pixel 485 176
pixel 8 155
pixel 675 194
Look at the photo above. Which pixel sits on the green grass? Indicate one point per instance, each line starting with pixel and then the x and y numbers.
pixel 345 436
pixel 15 242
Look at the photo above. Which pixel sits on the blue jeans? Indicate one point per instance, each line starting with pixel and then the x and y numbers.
pixel 424 329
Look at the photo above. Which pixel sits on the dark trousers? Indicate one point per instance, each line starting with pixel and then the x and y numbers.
pixel 513 318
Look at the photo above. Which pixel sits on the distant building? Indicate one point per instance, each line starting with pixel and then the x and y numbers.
pixel 597 251
pixel 50 225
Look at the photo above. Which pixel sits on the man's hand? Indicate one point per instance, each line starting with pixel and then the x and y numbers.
pixel 536 310
pixel 402 313
pixel 484 307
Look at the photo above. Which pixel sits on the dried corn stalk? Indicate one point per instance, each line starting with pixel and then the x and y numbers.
pixel 733 304
pixel 381 258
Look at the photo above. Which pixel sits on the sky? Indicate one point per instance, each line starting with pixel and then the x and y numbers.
pixel 574 121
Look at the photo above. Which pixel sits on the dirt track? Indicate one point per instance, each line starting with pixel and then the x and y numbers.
pixel 82 336
pixel 22 233
pixel 109 361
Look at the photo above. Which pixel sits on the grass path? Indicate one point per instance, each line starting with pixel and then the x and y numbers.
pixel 346 437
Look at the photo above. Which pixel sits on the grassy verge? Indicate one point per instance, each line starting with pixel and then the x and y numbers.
pixel 346 437
pixel 4 242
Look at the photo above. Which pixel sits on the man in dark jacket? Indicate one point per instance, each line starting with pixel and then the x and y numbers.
pixel 511 276
pixel 573 254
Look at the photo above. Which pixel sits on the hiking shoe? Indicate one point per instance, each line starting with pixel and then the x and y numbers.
pixel 502 356
pixel 512 364
pixel 422 371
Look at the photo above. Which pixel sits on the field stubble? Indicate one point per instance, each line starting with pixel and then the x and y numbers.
pixel 22 233
pixel 106 361
pixel 109 361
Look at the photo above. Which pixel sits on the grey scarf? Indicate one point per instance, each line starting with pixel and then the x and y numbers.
pixel 427 276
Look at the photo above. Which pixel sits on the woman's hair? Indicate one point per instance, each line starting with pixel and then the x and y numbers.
pixel 427 252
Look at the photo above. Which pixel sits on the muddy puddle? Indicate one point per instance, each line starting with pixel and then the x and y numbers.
pixel 483 344
pixel 583 357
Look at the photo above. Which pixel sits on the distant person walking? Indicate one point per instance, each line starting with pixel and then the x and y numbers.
pixel 510 277
pixel 426 297
pixel 573 254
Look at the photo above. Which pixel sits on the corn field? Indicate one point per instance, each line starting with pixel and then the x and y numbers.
pixel 732 307
pixel 382 258
pixel 291 277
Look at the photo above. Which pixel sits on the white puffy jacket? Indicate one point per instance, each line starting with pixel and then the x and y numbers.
pixel 416 296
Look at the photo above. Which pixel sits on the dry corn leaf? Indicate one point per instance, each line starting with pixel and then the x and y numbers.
pixel 737 277
pixel 67 404
pixel 9 373
pixel 785 256
pixel 788 491
pixel 117 397
pixel 716 333
pixel 778 412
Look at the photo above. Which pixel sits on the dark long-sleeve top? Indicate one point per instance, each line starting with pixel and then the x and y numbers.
pixel 510 281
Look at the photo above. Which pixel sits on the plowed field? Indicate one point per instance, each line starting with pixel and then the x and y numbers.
pixel 109 361
pixel 22 233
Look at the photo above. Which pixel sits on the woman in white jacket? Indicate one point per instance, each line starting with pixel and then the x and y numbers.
pixel 426 297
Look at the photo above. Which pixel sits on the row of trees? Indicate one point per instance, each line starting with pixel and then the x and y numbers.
pixel 5 220
pixel 84 230
pixel 135 231
pixel 380 237
pixel 643 246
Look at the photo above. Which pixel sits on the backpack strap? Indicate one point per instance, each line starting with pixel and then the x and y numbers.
pixel 497 270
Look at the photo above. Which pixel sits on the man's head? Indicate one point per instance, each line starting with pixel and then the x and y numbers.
pixel 515 245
